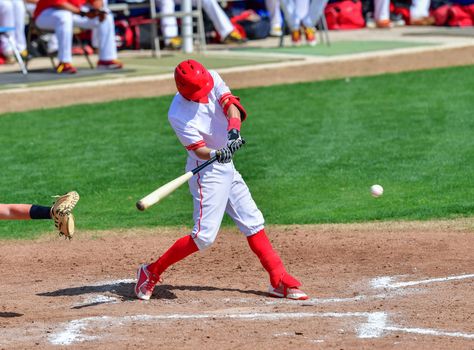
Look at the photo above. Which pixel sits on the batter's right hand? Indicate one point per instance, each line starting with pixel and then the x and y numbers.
pixel 224 155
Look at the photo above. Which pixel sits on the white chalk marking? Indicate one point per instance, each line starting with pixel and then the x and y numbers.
pixel 97 299
pixel 374 327
pixel 386 281
pixel 72 332
pixel 428 331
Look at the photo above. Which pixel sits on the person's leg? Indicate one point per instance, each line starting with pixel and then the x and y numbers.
pixel 20 13
pixel 61 21
pixel 24 212
pixel 169 24
pixel 419 12
pixel 382 13
pixel 218 17
pixel 274 13
pixel 105 33
pixel 315 12
pixel 210 191
pixel 6 20
pixel 248 218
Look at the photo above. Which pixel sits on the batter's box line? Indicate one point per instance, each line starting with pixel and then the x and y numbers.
pixel 374 327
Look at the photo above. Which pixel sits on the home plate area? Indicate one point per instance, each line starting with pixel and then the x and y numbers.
pixel 360 318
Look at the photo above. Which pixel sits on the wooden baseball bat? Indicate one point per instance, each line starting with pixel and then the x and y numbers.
pixel 163 191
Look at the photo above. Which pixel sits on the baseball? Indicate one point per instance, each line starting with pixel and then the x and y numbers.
pixel 376 190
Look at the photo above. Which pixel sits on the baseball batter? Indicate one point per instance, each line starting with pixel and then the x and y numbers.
pixel 207 118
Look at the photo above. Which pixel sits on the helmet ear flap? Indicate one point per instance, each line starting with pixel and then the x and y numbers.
pixel 193 80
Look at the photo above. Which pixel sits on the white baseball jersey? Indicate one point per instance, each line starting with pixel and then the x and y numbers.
pixel 218 188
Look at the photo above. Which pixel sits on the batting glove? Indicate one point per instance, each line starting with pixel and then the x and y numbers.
pixel 223 155
pixel 234 140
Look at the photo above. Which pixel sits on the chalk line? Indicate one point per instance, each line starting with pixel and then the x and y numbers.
pixel 386 281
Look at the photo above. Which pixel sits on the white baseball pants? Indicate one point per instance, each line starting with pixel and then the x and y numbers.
pixel 216 190
pixel 273 8
pixel 63 22
pixel 381 10
pixel 303 12
pixel 214 11
pixel 419 8
pixel 12 14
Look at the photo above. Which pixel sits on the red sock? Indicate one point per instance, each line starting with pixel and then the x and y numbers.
pixel 270 260
pixel 178 251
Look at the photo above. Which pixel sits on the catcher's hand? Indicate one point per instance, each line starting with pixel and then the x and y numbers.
pixel 61 213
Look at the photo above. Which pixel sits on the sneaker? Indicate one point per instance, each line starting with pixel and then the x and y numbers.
pixel 296 37
pixel 174 43
pixel 284 292
pixel 370 21
pixel 397 19
pixel 276 31
pixel 384 24
pixel 146 282
pixel 310 35
pixel 66 68
pixel 234 38
pixel 112 64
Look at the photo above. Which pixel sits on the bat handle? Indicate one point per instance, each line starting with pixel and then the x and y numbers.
pixel 203 165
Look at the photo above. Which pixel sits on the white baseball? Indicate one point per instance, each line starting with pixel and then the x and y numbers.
pixel 376 190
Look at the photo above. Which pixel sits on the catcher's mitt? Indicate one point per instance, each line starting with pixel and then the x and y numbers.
pixel 61 212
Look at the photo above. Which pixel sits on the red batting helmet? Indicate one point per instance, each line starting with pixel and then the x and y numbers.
pixel 193 80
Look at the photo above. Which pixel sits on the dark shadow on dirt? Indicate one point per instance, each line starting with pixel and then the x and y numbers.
pixel 125 291
pixel 10 314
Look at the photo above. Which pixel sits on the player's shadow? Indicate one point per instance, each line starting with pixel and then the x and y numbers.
pixel 125 291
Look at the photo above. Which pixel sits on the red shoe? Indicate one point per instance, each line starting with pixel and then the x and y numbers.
pixel 112 64
pixel 66 68
pixel 284 292
pixel 296 37
pixel 310 35
pixel 146 282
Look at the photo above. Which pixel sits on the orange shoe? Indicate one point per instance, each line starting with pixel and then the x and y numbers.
pixel 66 68
pixel 296 37
pixel 112 64
pixel 422 21
pixel 310 35
pixel 384 24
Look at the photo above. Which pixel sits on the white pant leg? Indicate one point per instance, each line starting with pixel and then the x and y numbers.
pixel 316 8
pixel 6 20
pixel 210 190
pixel 381 10
pixel 106 34
pixel 289 10
pixel 61 21
pixel 19 11
pixel 419 8
pixel 218 17
pixel 273 8
pixel 242 208
pixel 169 25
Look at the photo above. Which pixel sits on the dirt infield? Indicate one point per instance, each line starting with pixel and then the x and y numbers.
pixel 383 285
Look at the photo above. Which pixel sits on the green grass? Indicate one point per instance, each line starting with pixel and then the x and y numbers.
pixel 313 151
pixel 337 47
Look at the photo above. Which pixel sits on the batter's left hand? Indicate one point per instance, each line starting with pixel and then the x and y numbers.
pixel 234 140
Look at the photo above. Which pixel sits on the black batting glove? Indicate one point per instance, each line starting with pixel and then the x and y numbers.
pixel 234 140
pixel 224 155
